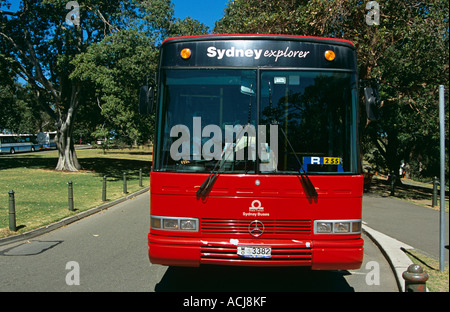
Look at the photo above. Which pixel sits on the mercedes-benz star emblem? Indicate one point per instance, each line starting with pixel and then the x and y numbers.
pixel 256 228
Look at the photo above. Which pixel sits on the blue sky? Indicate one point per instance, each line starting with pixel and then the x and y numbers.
pixel 205 11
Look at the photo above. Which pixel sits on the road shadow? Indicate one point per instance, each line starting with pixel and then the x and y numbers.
pixel 114 168
pixel 402 190
pixel 30 248
pixel 110 167
pixel 32 162
pixel 252 279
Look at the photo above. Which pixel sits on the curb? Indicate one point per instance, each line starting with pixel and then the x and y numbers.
pixel 68 220
pixel 392 249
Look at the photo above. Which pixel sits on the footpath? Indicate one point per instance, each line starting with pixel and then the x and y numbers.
pixel 396 225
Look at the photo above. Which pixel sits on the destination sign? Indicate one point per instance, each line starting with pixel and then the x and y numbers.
pixel 254 53
pixel 257 52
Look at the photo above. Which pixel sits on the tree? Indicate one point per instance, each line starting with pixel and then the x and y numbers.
pixel 116 68
pixel 407 51
pixel 39 42
pixel 6 97
pixel 122 62
pixel 188 27
pixel 19 106
pixel 51 44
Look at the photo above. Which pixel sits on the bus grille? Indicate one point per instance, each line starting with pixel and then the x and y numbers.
pixel 241 227
pixel 281 255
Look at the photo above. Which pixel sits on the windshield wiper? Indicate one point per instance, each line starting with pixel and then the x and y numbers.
pixel 209 181
pixel 212 177
pixel 306 182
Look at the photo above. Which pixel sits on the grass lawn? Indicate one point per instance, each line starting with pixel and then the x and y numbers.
pixel 418 193
pixel 41 194
pixel 437 281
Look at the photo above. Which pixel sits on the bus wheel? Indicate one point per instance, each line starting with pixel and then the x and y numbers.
pixel 12 151
pixel 32 149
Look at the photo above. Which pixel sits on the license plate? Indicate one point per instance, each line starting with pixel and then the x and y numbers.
pixel 254 251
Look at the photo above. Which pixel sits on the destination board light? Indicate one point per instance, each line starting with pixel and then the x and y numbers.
pixel 330 55
pixel 185 53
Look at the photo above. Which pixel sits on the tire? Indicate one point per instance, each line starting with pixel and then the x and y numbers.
pixel 12 151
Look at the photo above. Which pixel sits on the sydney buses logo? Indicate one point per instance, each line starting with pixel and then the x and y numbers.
pixel 256 210
pixel 256 206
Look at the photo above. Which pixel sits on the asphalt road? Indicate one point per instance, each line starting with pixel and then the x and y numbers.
pixel 107 252
pixel 414 225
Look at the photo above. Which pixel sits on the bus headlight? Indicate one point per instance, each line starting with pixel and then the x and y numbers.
pixel 188 225
pixel 174 223
pixel 323 227
pixel 342 227
pixel 337 226
pixel 170 224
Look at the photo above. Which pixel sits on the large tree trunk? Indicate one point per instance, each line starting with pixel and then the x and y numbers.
pixel 67 159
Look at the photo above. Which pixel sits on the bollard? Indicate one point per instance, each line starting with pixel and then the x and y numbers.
pixel 104 189
pixel 435 191
pixel 140 177
pixel 393 177
pixel 70 195
pixel 125 183
pixel 415 279
pixel 12 212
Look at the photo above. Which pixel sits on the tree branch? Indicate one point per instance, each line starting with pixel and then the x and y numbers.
pixel 40 76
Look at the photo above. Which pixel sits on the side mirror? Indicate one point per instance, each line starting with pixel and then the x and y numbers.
pixel 372 103
pixel 146 100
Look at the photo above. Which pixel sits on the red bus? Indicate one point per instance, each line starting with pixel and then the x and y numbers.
pixel 256 158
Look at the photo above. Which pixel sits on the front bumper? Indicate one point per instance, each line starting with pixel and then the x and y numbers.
pixel 339 254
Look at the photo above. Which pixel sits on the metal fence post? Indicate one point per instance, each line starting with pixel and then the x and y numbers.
pixel 393 177
pixel 140 177
pixel 70 195
pixel 125 183
pixel 442 177
pixel 12 212
pixel 104 189
pixel 435 190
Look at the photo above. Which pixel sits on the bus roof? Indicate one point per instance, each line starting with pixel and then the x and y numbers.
pixel 258 51
pixel 261 36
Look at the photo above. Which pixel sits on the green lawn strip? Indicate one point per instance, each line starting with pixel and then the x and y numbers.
pixel 41 194
pixel 417 194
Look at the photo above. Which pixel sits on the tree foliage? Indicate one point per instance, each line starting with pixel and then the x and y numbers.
pixel 116 67
pixel 407 52
pixel 125 60
pixel 93 55
pixel 39 45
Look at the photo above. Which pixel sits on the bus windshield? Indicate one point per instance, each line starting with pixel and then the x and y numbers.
pixel 257 121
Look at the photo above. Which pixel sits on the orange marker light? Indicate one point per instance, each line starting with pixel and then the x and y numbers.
pixel 330 55
pixel 185 53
